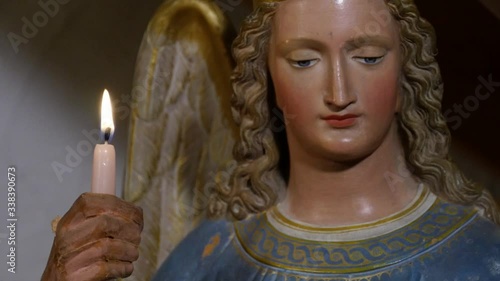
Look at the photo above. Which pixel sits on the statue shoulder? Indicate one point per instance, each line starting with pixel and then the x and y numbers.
pixel 485 234
pixel 474 250
pixel 194 256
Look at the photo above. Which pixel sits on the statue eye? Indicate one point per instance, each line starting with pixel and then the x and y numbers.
pixel 303 63
pixel 369 60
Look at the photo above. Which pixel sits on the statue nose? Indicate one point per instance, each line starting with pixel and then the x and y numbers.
pixel 338 94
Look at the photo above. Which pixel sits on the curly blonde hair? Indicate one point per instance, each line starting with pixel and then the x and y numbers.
pixel 261 173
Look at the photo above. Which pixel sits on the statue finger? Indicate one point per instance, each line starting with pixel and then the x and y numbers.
pixel 102 271
pixel 103 250
pixel 103 226
pixel 90 205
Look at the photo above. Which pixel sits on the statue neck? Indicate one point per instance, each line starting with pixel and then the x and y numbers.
pixel 331 194
pixel 422 202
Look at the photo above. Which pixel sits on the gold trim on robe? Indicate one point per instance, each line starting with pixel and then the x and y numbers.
pixel 275 240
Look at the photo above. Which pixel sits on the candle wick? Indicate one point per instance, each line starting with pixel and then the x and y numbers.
pixel 107 135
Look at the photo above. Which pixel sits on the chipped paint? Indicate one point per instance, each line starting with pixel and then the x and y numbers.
pixel 212 244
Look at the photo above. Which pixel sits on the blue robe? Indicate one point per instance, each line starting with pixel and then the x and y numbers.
pixel 443 242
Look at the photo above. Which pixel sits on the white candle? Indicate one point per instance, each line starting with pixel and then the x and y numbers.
pixel 103 177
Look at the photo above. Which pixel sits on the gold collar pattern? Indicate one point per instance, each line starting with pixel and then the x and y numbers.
pixel 261 240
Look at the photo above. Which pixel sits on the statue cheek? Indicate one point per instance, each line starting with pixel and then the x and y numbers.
pixel 400 97
pixel 399 101
pixel 282 93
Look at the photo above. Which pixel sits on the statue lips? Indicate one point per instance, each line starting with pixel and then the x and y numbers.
pixel 341 121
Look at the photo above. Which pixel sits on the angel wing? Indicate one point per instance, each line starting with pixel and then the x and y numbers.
pixel 180 133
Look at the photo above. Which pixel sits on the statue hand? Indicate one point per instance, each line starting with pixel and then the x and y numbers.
pixel 97 239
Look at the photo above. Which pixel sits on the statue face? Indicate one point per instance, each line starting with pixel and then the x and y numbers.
pixel 335 80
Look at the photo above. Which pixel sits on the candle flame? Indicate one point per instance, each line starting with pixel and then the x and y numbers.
pixel 107 115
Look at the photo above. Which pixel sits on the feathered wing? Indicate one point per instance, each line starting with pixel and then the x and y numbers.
pixel 180 133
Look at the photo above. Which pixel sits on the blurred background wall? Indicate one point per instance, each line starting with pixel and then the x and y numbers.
pixel 53 75
pixel 468 38
pixel 50 90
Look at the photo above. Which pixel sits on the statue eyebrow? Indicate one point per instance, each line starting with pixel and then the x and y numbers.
pixel 350 45
pixel 291 44
pixel 367 40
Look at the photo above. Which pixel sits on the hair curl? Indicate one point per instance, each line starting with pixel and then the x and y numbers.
pixel 259 177
pixel 255 183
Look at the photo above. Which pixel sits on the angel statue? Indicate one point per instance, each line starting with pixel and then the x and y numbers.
pixel 340 167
